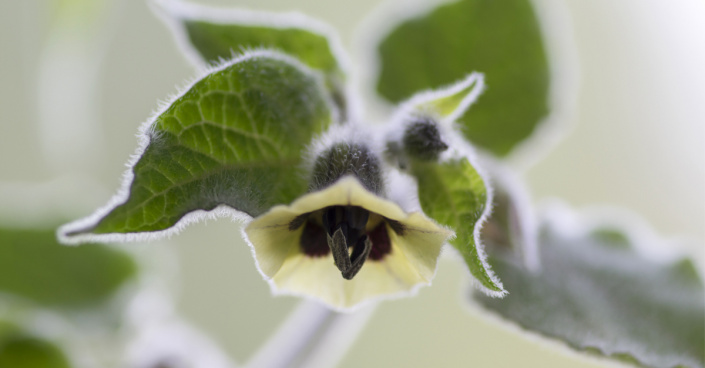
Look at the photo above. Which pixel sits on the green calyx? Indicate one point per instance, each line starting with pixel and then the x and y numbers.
pixel 422 140
pixel 344 159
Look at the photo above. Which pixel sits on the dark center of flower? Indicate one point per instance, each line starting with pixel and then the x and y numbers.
pixel 345 228
pixel 344 233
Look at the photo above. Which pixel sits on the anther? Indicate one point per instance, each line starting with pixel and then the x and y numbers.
pixel 346 228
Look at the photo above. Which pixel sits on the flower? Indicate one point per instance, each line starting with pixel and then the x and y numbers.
pixel 294 245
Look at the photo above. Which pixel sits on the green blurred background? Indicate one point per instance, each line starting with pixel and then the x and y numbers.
pixel 637 140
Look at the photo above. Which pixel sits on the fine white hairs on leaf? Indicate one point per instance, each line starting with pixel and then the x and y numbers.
pixel 64 233
pixel 458 148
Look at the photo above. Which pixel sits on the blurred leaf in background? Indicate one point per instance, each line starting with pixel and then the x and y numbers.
pixel 501 39
pixel 43 283
pixel 23 351
pixel 34 266
pixel 211 35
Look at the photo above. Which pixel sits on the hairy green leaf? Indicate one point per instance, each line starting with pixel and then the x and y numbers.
pixel 454 194
pixel 21 351
pixel 597 294
pixel 501 39
pixel 234 138
pixel 217 34
pixel 34 266
pixel 220 41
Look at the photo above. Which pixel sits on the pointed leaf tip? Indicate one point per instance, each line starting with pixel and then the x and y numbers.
pixel 232 141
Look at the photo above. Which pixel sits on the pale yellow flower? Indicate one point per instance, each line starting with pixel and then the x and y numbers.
pixel 291 250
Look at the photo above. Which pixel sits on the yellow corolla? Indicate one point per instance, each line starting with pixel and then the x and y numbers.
pixel 345 245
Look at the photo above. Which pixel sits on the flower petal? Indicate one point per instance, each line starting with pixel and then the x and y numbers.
pixel 402 271
pixel 348 192
pixel 411 263
pixel 271 240
pixel 421 243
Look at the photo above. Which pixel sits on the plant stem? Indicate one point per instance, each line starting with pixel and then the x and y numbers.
pixel 292 336
pixel 342 332
pixel 312 336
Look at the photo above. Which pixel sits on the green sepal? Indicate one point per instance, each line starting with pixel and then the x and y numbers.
pixel 36 268
pixel 232 140
pixel 501 39
pixel 343 159
pixel 597 293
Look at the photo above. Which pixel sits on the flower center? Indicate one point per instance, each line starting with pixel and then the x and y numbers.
pixel 344 232
pixel 345 227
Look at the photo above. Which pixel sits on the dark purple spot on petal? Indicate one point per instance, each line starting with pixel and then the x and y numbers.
pixel 313 241
pixel 381 245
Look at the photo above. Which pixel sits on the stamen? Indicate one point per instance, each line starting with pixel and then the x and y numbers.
pixel 340 250
pixel 345 226
pixel 359 256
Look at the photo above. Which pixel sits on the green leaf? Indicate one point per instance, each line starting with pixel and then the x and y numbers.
pixel 234 138
pixel 30 352
pixel 210 35
pixel 501 39
pixel 7 329
pixel 219 41
pixel 423 139
pixel 34 266
pixel 453 193
pixel 596 293
pixel 217 34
